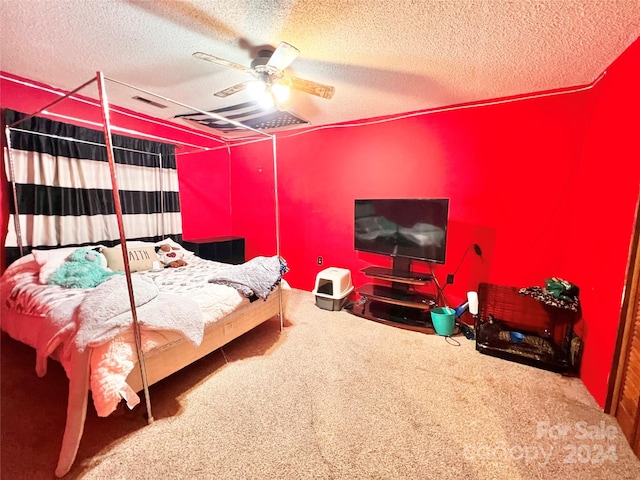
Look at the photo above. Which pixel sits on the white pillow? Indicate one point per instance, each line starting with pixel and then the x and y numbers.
pixel 173 244
pixel 50 260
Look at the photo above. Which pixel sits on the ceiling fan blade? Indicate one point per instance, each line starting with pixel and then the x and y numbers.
pixel 283 56
pixel 308 86
pixel 221 61
pixel 231 90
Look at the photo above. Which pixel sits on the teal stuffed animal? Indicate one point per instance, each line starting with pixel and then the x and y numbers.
pixel 84 268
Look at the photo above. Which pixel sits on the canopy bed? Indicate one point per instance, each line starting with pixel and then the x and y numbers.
pixel 78 192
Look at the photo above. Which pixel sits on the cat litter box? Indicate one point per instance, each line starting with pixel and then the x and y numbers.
pixel 333 286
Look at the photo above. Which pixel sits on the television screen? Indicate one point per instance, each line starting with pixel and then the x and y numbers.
pixel 411 228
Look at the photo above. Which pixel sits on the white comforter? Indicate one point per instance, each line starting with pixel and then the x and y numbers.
pixel 37 314
pixel 106 311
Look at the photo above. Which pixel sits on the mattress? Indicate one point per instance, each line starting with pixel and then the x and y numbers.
pixel 31 313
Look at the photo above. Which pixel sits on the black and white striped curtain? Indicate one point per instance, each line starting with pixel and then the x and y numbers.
pixel 64 193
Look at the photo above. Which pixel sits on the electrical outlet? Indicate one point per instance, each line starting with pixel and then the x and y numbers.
pixel 319 260
pixel 449 278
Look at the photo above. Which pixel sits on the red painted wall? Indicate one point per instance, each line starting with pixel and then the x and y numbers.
pixel 502 166
pixel 253 197
pixel 546 186
pixel 205 195
pixel 607 186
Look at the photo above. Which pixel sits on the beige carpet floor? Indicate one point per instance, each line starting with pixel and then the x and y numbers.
pixel 333 396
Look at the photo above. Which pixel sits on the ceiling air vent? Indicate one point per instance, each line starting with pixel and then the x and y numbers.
pixel 149 102
pixel 248 113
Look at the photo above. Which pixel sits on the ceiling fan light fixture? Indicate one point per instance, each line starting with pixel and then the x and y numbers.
pixel 265 100
pixel 256 88
pixel 281 92
pixel 261 92
pixel 270 74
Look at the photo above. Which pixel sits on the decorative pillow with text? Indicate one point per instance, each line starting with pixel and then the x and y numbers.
pixel 140 258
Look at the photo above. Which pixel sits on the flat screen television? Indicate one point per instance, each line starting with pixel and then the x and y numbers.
pixel 407 227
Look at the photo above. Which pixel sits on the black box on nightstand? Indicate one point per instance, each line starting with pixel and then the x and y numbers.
pixel 220 249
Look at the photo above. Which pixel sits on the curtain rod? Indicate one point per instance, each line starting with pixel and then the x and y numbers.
pixel 70 139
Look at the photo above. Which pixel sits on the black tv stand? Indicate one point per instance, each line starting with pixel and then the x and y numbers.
pixel 399 304
pixel 401 267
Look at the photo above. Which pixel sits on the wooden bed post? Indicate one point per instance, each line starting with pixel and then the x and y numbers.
pixel 76 410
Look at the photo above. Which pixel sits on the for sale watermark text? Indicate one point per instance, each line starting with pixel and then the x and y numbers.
pixel 578 431
pixel 579 442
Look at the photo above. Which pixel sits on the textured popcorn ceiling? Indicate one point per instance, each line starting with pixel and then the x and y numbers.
pixel 382 56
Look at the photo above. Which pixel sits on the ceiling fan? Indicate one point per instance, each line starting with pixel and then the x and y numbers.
pixel 268 68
